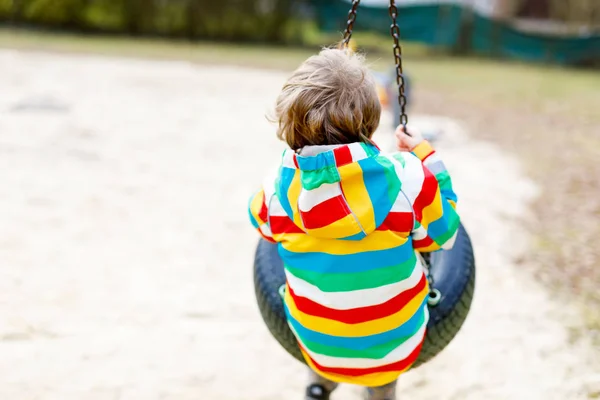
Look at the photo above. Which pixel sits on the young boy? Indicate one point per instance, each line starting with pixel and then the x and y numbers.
pixel 348 221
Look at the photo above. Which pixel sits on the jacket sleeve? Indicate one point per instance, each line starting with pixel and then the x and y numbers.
pixel 258 212
pixel 433 202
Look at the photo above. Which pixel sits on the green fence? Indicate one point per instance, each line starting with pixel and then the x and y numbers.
pixel 497 39
pixel 456 26
pixel 437 25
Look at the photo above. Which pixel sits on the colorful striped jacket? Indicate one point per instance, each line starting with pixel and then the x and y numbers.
pixel 347 220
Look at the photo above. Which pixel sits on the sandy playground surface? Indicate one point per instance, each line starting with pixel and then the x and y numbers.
pixel 125 251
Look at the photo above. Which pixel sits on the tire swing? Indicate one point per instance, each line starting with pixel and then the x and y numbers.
pixel 451 273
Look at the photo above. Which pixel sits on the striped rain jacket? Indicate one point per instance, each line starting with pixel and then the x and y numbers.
pixel 347 220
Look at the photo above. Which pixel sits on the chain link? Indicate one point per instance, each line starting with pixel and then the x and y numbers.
pixel 395 32
pixel 350 23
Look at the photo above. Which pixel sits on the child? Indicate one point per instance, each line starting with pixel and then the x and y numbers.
pixel 348 221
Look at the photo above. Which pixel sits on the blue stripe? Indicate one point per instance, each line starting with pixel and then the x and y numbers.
pixel 441 226
pixel 347 263
pixel 282 187
pixel 320 161
pixel 359 343
pixel 253 220
pixel 377 186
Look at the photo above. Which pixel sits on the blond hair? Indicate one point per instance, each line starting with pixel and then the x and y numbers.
pixel 329 99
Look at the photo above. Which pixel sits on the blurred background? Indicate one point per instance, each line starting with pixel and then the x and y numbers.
pixel 523 75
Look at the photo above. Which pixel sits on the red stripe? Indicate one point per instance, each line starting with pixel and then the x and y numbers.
pixel 325 213
pixel 343 156
pixel 427 195
pixel 295 158
pixel 263 212
pixel 363 314
pixel 423 243
pixel 397 222
pixel 281 225
pixel 397 366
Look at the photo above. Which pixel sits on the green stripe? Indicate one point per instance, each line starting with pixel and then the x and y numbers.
pixel 375 352
pixel 453 223
pixel 357 280
pixel 400 158
pixel 443 179
pixel 313 179
pixel 370 150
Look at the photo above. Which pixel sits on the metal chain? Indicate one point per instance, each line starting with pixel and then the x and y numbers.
pixel 350 23
pixel 435 296
pixel 395 31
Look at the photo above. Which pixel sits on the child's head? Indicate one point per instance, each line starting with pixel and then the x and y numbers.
pixel 329 99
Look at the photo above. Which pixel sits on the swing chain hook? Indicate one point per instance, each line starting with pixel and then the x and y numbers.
pixel 435 296
pixel 395 31
pixel 350 24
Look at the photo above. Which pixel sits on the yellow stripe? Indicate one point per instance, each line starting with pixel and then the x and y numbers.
pixel 370 380
pixel 346 226
pixel 357 196
pixel 336 328
pixel 282 237
pixel 423 149
pixel 452 203
pixel 256 205
pixel 293 195
pixel 432 247
pixel 433 211
pixel 378 240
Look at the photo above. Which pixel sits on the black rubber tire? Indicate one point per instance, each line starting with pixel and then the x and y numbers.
pixel 453 273
pixel 269 276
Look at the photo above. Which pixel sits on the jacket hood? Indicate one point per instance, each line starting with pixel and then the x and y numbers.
pixel 337 192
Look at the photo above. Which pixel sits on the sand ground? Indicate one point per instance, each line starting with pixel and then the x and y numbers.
pixel 125 251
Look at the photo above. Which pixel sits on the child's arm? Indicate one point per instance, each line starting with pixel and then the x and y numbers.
pixel 434 201
pixel 258 212
pixel 436 218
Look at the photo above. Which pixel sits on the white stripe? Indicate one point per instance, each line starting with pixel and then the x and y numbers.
pixel 398 354
pixel 310 198
pixel 401 203
pixel 354 298
pixel 316 149
pixel 412 178
pixel 288 159
pixel 276 209
pixel 357 151
pixel 419 234
pixel 266 230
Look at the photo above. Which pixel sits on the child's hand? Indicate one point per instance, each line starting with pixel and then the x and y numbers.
pixel 405 142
